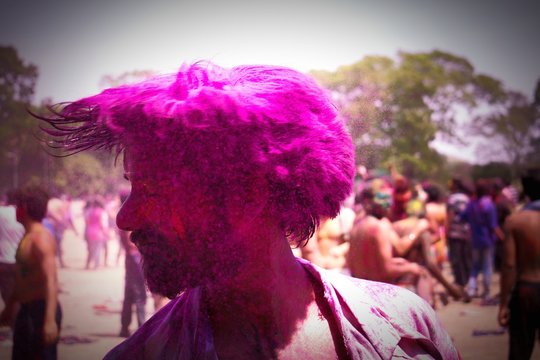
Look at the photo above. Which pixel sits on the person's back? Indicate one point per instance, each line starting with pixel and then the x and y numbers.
pixel 95 233
pixel 458 235
pixel 525 228
pixel 457 228
pixel 481 215
pixel 96 223
pixel 365 256
pixel 520 276
pixel 332 239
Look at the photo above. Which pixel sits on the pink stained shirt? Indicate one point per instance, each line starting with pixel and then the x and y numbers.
pixel 374 321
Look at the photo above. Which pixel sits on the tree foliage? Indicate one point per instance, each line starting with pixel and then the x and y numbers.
pixel 80 174
pixel 397 107
pixel 511 126
pixel 20 153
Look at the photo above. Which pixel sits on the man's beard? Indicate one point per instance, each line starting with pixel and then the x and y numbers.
pixel 173 265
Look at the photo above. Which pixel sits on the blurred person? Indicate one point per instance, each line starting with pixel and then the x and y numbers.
pixel 329 245
pixel 37 323
pixel 134 283
pixel 511 193
pixel 410 240
pixel 419 248
pixel 382 191
pixel 401 195
pixel 96 232
pixel 416 205
pixel 372 255
pixel 11 233
pixel 519 308
pixel 266 142
pixel 112 206
pixel 435 214
pixel 458 233
pixel 482 218
pixel 58 219
pixel 504 208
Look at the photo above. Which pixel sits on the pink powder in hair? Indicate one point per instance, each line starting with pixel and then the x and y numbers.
pixel 226 125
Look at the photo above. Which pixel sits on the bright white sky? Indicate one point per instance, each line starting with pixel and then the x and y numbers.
pixel 74 44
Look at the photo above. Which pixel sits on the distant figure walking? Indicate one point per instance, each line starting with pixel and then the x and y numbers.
pixel 95 232
pixel 134 288
pixel 482 217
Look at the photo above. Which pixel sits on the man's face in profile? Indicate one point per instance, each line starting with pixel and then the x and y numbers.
pixel 183 235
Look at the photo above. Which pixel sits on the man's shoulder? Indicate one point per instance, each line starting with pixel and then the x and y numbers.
pixel 42 239
pixel 392 317
pixel 374 293
pixel 174 330
pixel 522 218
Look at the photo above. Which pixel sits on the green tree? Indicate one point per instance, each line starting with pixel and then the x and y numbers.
pixel 397 107
pixel 511 126
pixel 80 174
pixel 20 154
pixel 494 169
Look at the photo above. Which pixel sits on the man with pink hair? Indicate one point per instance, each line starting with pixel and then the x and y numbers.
pixel 227 167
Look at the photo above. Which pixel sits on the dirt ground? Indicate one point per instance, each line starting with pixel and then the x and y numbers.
pixel 91 302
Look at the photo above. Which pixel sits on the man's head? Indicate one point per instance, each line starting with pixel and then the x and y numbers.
pixel 433 193
pixel 482 187
pixel 370 206
pixel 531 183
pixel 464 186
pixel 219 146
pixel 31 202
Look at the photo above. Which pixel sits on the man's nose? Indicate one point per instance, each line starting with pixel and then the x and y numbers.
pixel 129 216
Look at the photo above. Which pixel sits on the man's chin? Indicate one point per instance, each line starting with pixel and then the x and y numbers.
pixel 170 284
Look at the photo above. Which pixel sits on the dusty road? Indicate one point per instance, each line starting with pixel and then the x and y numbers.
pixel 92 300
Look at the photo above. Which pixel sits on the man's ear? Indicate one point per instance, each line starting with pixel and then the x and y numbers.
pixel 20 212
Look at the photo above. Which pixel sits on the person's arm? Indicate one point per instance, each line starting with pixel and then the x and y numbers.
pixel 44 250
pixel 393 266
pixel 397 266
pixel 404 243
pixel 508 273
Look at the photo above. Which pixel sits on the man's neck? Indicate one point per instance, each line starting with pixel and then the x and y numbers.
pixel 270 294
pixel 31 225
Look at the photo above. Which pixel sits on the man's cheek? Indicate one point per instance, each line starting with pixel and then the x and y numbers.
pixel 177 224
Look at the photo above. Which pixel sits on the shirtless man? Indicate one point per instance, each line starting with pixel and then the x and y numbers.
pixel 37 323
pixel 227 167
pixel 373 246
pixel 397 253
pixel 519 308
pixel 415 244
pixel 436 216
pixel 329 246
